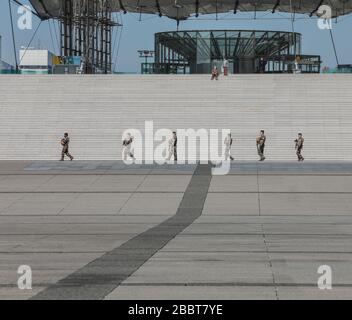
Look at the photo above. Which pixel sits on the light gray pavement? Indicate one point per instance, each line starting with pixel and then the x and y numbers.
pixel 105 230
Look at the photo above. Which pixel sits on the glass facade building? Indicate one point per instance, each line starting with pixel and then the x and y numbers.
pixel 247 51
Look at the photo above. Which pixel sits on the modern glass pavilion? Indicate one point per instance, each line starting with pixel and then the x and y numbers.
pixel 247 51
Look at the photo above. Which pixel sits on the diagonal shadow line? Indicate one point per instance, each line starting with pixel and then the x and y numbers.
pixel 101 276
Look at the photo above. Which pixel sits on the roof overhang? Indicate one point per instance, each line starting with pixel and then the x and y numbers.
pixel 183 9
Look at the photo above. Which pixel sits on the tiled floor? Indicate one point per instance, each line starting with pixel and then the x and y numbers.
pixel 262 234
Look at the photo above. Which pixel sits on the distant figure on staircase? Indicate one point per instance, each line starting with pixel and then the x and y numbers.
pixel 65 141
pixel 299 146
pixel 297 65
pixel 225 67
pixel 261 139
pixel 262 65
pixel 215 73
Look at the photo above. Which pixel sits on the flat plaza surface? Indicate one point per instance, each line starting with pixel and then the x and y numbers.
pixel 104 230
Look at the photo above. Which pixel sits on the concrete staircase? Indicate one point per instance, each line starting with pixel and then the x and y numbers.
pixel 35 111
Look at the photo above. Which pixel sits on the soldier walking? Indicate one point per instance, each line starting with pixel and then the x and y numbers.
pixel 261 139
pixel 228 144
pixel 127 147
pixel 174 134
pixel 172 147
pixel 65 144
pixel 299 146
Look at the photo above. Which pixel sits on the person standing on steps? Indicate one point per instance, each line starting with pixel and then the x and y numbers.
pixel 65 141
pixel 299 146
pixel 262 65
pixel 215 73
pixel 261 139
pixel 225 67
pixel 228 144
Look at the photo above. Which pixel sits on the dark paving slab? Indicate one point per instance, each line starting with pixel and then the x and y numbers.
pixel 291 167
pixel 108 167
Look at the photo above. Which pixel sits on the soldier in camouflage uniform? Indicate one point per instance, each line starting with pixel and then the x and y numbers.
pixel 261 139
pixel 65 144
pixel 299 146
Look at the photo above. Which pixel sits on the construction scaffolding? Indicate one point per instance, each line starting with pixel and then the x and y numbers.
pixel 86 31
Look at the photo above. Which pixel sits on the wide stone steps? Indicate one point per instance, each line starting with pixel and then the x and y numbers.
pixel 95 110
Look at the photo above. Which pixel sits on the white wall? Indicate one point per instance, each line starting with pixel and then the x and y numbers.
pixel 36 110
pixel 35 58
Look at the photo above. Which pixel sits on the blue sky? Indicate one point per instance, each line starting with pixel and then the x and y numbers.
pixel 137 34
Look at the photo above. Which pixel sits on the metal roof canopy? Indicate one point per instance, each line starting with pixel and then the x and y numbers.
pixel 265 43
pixel 183 9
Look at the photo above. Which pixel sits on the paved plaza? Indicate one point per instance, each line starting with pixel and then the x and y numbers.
pixel 104 230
